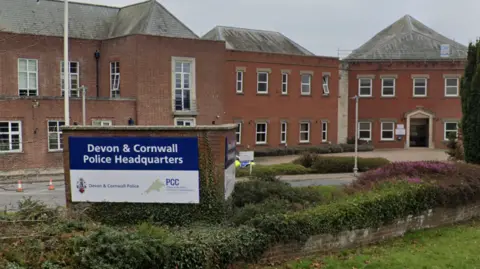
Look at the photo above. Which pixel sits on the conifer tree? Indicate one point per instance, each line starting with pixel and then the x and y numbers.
pixel 470 96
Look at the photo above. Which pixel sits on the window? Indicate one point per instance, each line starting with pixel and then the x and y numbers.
pixel 451 86
pixel 10 136
pixel 238 133
pixel 306 84
pixel 365 87
pixel 387 131
pixel 450 128
pixel 102 123
pixel 284 83
pixel 74 79
pixel 324 131
pixel 365 131
pixel 185 122
pixel 261 133
pixel 55 136
pixel 262 82
pixel 283 132
pixel 183 87
pixel 239 86
pixel 388 87
pixel 304 132
pixel 326 89
pixel 27 77
pixel 114 79
pixel 419 87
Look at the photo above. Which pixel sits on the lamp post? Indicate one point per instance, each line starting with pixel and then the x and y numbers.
pixel 355 167
pixel 66 66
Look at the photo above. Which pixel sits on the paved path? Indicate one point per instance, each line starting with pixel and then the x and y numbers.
pixel 39 191
pixel 394 155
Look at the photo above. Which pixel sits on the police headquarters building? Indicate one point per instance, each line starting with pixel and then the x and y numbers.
pixel 140 65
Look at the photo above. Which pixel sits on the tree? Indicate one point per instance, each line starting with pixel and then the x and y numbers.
pixel 470 96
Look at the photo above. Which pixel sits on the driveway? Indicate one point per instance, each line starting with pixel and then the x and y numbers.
pixel 394 155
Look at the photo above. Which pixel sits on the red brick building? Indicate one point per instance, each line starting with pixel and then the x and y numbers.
pixel 278 93
pixel 140 64
pixel 404 78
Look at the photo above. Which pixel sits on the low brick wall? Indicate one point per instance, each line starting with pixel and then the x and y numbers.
pixel 325 243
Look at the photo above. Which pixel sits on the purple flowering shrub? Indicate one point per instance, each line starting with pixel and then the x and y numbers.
pixel 412 172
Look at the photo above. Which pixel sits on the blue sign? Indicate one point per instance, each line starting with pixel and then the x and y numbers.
pixel 133 153
pixel 134 169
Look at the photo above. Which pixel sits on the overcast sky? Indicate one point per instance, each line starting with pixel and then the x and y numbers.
pixel 324 26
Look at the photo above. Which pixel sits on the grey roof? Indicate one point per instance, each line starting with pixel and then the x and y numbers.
pixel 87 21
pixel 255 40
pixel 407 39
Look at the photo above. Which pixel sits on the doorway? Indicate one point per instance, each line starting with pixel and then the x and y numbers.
pixel 419 133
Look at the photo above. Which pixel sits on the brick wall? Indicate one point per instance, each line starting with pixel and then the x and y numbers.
pixel 154 78
pixel 35 153
pixel 326 243
pixel 249 106
pixel 377 107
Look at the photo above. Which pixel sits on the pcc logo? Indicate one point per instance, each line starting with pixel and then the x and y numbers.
pixel 172 182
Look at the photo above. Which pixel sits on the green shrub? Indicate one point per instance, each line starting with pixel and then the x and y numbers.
pixel 322 149
pixel 203 247
pixel 255 192
pixel 364 210
pixel 325 165
pixel 292 199
pixel 274 169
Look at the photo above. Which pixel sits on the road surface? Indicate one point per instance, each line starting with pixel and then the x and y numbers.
pixel 9 198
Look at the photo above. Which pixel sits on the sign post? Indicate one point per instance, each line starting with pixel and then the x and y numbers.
pixel 247 157
pixel 134 169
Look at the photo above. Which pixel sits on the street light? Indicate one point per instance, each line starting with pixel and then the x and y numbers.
pixel 355 167
pixel 66 65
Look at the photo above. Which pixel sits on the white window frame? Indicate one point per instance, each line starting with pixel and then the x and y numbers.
pixel 360 87
pixel 192 83
pixel 10 134
pixel 324 131
pixel 239 82
pixel 308 84
pixel 262 82
pixel 283 132
pixel 445 136
pixel 191 122
pixel 115 79
pixel 238 133
pixel 99 122
pixel 325 84
pixel 388 87
pixel 456 87
pixel 284 83
pixel 58 134
pixel 369 131
pixel 257 133
pixel 426 87
pixel 303 132
pixel 383 129
pixel 70 74
pixel 28 74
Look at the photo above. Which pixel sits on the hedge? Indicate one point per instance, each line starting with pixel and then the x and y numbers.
pixel 314 164
pixel 219 246
pixel 323 149
pixel 275 169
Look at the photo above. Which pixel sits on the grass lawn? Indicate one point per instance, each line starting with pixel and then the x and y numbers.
pixel 453 247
